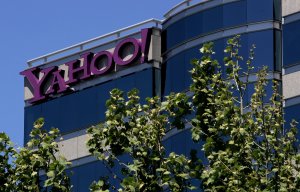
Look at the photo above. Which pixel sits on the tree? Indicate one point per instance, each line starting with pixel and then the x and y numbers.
pixel 246 144
pixel 248 147
pixel 137 131
pixel 36 167
pixel 7 169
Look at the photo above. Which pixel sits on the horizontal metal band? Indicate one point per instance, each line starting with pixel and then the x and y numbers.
pixel 192 9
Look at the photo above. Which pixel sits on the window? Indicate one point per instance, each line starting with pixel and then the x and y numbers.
pixel 234 14
pixel 291 42
pixel 87 107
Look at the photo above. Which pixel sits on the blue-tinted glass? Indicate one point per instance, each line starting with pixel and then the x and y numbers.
pixel 212 19
pixel 78 110
pixel 175 33
pixel 219 46
pixel 125 83
pixel 194 25
pixel 85 108
pixel 102 95
pixel 234 14
pixel 292 113
pixel 259 10
pixel 30 115
pixel 179 143
pixel 144 83
pixel 175 74
pixel 190 55
pixel 168 145
pixel 264 51
pixel 52 111
pixel 291 42
pixel 83 176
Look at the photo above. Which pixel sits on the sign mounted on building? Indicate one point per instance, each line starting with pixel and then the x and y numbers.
pixel 51 80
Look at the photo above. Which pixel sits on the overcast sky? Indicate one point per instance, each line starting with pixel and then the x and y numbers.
pixel 32 28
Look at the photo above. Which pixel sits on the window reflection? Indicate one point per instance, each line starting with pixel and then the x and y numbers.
pixel 176 69
pixel 221 17
pixel 291 42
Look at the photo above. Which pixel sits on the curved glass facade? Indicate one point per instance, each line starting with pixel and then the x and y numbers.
pixel 221 17
pixel 175 71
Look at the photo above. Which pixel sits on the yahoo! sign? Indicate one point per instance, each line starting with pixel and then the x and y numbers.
pixel 85 67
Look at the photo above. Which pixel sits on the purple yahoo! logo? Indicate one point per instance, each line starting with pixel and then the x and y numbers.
pixel 85 67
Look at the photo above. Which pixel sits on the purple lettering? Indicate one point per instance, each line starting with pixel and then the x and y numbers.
pixel 58 84
pixel 88 65
pixel 136 53
pixel 95 69
pixel 145 42
pixel 76 72
pixel 37 83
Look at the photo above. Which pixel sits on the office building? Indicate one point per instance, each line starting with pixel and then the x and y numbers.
pixel 69 87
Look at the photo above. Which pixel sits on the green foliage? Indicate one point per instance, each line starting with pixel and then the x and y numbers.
pixel 7 169
pixel 136 131
pixel 247 146
pixel 35 167
pixel 245 142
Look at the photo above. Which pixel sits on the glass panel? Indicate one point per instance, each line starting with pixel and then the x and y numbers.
pixel 175 33
pixel 223 16
pixel 190 54
pixel 82 109
pixel 30 115
pixel 212 19
pixel 292 112
pixel 234 14
pixel 194 25
pixel 264 51
pixel 258 10
pixel 291 42
pixel 175 74
pixel 143 81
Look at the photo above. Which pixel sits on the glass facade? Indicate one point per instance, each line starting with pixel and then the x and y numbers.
pixel 175 71
pixel 291 41
pixel 221 17
pixel 87 107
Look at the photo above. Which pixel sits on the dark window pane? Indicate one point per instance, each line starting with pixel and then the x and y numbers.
pixel 178 73
pixel 190 54
pixel 85 108
pixel 259 10
pixel 212 19
pixel 292 113
pixel 144 83
pixel 194 25
pixel 175 33
pixel 31 114
pixel 291 42
pixel 234 14
pixel 264 51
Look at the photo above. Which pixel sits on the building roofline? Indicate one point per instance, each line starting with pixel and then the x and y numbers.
pixel 84 45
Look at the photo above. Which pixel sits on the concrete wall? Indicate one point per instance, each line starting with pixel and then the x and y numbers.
pixel 290 7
